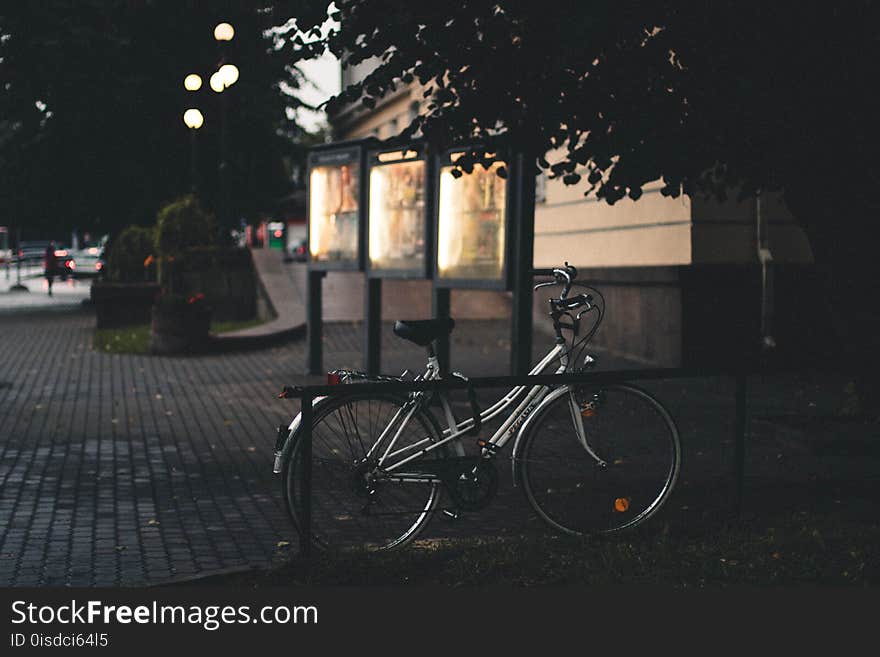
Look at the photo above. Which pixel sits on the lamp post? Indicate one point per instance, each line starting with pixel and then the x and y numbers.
pixel 193 119
pixel 225 76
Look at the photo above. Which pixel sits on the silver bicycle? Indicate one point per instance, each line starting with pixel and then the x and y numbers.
pixel 590 458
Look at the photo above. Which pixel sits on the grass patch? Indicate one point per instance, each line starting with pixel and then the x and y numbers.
pixel 136 339
pixel 791 550
pixel 123 340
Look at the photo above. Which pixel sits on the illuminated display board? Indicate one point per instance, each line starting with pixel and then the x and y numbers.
pixel 471 226
pixel 334 230
pixel 397 218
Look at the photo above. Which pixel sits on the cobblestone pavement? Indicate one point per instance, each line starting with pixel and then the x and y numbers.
pixel 128 470
pixel 125 469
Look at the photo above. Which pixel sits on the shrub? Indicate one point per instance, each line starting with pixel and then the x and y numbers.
pixel 129 255
pixel 183 224
pixel 202 258
pixel 181 305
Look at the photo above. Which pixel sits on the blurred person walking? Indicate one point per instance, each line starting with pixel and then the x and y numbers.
pixel 50 265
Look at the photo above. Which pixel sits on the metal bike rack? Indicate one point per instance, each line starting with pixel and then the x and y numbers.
pixel 307 395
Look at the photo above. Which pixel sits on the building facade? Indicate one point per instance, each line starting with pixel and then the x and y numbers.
pixel 688 281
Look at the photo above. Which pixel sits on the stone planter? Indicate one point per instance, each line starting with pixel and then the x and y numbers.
pixel 123 304
pixel 179 330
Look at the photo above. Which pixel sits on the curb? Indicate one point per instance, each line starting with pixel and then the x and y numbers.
pixel 223 344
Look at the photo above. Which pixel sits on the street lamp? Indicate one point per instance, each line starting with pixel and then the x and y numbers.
pixel 216 82
pixel 192 82
pixel 229 74
pixel 193 119
pixel 224 32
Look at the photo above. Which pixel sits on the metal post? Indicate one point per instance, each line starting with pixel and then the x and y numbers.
pixel 372 325
pixel 314 319
pixel 18 287
pixel 194 162
pixel 524 243
pixel 224 161
pixel 305 530
pixel 440 303
pixel 740 455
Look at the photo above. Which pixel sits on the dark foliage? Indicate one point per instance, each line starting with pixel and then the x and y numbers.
pixel 611 94
pixel 183 224
pixel 91 105
pixel 129 255
pixel 752 95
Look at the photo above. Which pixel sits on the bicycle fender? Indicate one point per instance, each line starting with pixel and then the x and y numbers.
pixel 552 396
pixel 293 433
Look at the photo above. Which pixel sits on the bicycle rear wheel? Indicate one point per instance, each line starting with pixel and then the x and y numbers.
pixel 351 507
pixel 635 459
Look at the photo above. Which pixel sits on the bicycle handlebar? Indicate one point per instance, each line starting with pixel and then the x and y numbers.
pixel 562 275
pixel 568 269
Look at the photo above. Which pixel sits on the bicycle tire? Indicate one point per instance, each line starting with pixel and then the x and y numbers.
pixel 344 516
pixel 625 426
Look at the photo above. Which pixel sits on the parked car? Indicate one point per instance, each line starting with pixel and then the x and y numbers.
pixel 297 251
pixel 89 260
pixel 65 266
pixel 32 250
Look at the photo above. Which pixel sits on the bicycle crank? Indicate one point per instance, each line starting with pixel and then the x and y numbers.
pixel 474 487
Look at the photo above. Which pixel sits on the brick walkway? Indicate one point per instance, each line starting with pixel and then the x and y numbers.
pixel 125 470
pixel 128 470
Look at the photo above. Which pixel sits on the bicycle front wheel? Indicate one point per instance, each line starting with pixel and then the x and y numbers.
pixel 599 459
pixel 352 506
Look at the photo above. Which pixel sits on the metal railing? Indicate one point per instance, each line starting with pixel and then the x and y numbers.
pixel 308 393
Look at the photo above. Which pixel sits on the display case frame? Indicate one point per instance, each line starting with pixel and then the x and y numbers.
pixel 338 153
pixel 503 282
pixel 378 158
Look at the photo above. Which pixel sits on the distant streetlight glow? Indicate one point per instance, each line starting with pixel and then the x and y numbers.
pixel 216 82
pixel 192 82
pixel 193 119
pixel 229 74
pixel 224 32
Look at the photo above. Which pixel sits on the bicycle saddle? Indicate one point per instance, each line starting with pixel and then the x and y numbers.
pixel 423 331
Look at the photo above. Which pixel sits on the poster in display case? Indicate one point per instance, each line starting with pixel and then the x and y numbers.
pixel 472 241
pixel 335 208
pixel 397 217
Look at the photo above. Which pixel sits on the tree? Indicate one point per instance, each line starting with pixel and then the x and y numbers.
pixel 707 97
pixel 91 100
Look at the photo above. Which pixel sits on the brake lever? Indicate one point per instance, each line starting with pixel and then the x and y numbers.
pixel 588 305
pixel 548 283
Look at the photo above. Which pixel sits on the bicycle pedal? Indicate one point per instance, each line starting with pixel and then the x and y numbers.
pixel 451 514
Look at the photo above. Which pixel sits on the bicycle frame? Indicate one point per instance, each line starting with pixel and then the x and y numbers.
pixel 528 400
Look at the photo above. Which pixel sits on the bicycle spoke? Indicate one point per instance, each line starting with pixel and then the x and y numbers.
pixel 352 504
pixel 640 453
